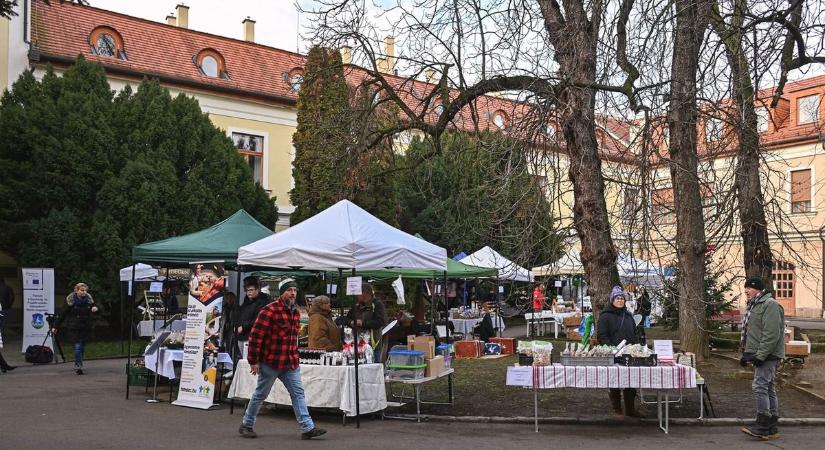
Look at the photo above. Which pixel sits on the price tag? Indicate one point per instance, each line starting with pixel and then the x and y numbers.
pixel 663 349
pixel 353 285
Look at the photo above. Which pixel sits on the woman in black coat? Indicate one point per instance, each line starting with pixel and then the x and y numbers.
pixel 616 325
pixel 78 315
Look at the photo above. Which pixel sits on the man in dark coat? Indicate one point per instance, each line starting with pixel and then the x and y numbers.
pixel 616 325
pixel 252 304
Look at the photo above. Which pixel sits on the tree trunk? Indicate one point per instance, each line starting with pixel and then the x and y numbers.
pixel 758 260
pixel 691 21
pixel 574 40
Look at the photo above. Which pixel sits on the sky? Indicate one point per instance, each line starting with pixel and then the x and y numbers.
pixel 276 21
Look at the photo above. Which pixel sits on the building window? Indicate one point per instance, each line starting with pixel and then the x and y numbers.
pixel 631 202
pixel 808 109
pixel 211 64
pixel 105 41
pixel 295 78
pixel 783 281
pixel 439 110
pixel 713 130
pixel 662 211
pixel 801 191
pixel 500 119
pixel 550 131
pixel 762 118
pixel 251 147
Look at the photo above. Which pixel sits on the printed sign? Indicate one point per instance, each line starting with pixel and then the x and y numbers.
pixel 663 349
pixel 202 336
pixel 353 285
pixel 520 376
pixel 38 301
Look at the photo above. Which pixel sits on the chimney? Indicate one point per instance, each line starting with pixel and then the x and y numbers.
pixel 346 54
pixel 183 15
pixel 429 75
pixel 387 65
pixel 248 29
pixel 171 19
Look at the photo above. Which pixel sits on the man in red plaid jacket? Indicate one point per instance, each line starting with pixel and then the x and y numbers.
pixel 273 354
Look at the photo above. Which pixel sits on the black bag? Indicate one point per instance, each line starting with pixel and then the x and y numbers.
pixel 39 354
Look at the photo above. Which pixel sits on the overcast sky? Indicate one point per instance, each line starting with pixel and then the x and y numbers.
pixel 276 20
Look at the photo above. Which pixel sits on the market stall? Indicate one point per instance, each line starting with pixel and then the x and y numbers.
pixel 343 237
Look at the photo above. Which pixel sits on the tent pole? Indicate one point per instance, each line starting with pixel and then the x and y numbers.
pixel 447 310
pixel 357 340
pixel 233 339
pixel 122 311
pixel 131 326
pixel 433 300
pixel 498 304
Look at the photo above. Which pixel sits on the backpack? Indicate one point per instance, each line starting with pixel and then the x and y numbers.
pixel 39 354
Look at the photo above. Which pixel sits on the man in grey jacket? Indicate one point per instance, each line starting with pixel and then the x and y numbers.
pixel 763 345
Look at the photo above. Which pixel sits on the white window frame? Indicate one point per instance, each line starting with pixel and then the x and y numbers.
pixel 265 152
pixel 788 173
pixel 713 133
pixel 814 118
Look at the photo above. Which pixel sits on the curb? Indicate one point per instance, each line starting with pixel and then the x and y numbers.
pixel 608 421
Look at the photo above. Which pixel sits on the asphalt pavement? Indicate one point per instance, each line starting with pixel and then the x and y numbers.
pixel 51 407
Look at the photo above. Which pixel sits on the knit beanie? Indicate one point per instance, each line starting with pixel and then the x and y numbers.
pixel 755 283
pixel 617 292
pixel 286 284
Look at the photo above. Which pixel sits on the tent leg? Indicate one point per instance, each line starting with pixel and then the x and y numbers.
pixel 355 332
pixel 131 327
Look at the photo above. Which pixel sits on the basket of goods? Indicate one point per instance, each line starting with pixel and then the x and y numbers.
pixel 576 354
pixel 174 341
pixel 636 355
pixel 536 353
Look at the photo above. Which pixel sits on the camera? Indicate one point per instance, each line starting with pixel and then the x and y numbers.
pixel 51 319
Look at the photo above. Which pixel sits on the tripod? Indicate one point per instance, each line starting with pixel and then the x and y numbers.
pixel 55 344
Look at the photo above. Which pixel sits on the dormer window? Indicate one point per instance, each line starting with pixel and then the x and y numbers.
pixel 105 41
pixel 500 119
pixel 295 78
pixel 808 109
pixel 210 63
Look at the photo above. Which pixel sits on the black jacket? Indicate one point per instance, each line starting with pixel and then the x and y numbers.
pixel 373 317
pixel 645 306
pixel 248 312
pixel 485 329
pixel 77 317
pixel 616 325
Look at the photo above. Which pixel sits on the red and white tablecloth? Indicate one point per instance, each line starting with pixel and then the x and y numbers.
pixel 660 377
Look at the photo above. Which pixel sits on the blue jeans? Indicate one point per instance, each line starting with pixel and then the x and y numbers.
pixel 292 382
pixel 79 349
pixel 764 388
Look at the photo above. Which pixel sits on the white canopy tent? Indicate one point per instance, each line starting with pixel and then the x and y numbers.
pixel 143 272
pixel 491 259
pixel 569 264
pixel 631 270
pixel 343 236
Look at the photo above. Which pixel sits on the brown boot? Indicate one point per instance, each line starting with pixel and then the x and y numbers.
pixel 616 401
pixel 630 404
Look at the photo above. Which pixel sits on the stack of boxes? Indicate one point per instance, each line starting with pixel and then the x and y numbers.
pixel 435 363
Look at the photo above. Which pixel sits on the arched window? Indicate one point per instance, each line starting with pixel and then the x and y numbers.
pixel 210 63
pixel 295 78
pixel 500 119
pixel 105 41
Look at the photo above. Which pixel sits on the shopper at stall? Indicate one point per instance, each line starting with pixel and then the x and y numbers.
pixel 273 354
pixel 6 303
pixel 645 309
pixel 762 344
pixel 616 325
pixel 78 315
pixel 368 314
pixel 252 304
pixel 322 330
pixel 539 300
pixel 485 329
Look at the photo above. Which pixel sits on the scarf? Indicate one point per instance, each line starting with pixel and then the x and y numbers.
pixel 743 333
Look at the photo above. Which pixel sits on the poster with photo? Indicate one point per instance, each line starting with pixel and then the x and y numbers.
pixel 202 337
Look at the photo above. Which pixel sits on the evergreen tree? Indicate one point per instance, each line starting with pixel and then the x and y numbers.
pixel 87 174
pixel 323 137
pixel 717 298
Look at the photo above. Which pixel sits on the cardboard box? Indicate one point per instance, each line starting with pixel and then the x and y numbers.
pixel 508 345
pixel 798 348
pixel 573 335
pixel 425 344
pixel 572 321
pixel 434 366
pixel 468 349
pixel 410 340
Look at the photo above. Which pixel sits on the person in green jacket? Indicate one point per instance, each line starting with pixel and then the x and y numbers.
pixel 762 344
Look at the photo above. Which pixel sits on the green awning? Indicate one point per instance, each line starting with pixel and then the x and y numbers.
pixel 219 242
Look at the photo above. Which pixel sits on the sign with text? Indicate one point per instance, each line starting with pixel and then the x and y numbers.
pixel 520 376
pixel 202 336
pixel 663 349
pixel 38 300
pixel 353 285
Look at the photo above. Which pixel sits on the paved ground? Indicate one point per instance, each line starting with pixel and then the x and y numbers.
pixel 50 406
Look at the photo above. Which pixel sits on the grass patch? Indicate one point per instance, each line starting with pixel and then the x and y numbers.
pixel 109 349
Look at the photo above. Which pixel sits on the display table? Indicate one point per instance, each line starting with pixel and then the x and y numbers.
pixel 465 326
pixel 166 365
pixel 541 318
pixel 324 387
pixel 662 379
pixel 417 390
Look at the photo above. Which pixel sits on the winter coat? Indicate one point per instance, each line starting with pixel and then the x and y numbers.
pixel 322 330
pixel 616 325
pixel 485 329
pixel 77 315
pixel 248 312
pixel 765 337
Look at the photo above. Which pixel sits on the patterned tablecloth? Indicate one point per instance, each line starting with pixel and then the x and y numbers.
pixel 559 376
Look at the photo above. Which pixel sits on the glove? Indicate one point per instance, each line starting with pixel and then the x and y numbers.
pixel 745 359
pixel 757 362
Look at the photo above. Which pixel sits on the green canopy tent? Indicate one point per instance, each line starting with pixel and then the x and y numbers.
pixel 220 242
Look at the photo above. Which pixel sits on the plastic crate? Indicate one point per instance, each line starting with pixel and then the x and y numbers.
pixel 443 350
pixel 405 359
pixel 587 361
pixel 406 373
pixel 448 362
pixel 138 376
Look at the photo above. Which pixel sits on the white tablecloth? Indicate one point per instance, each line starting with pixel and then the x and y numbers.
pixel 324 387
pixel 659 377
pixel 466 326
pixel 166 367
